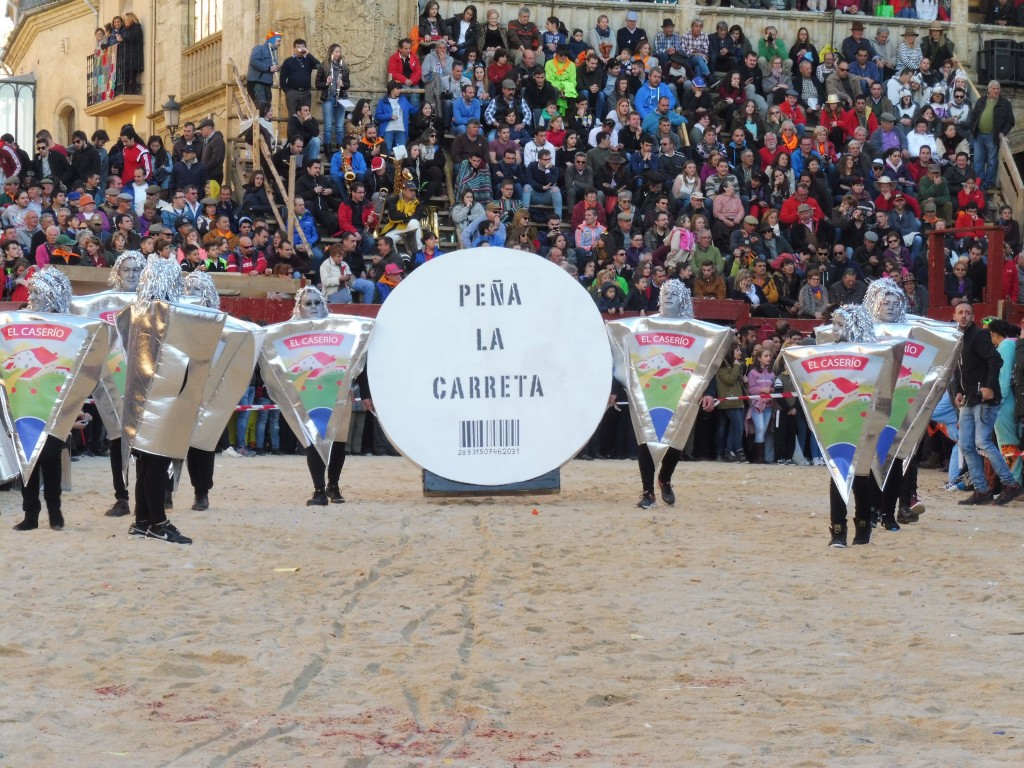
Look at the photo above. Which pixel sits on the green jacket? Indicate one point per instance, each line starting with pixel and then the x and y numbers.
pixel 768 52
pixel 938 192
pixel 730 384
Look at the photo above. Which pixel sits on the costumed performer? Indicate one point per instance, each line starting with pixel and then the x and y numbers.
pixel 168 347
pixel 109 394
pixel 665 362
pixel 308 365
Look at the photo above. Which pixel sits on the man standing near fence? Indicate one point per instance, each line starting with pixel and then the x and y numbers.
pixel 990 120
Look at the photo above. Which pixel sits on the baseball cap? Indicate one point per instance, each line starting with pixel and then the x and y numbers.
pixel 393 269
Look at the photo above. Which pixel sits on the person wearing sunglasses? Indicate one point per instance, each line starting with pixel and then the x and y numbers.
pixel 50 164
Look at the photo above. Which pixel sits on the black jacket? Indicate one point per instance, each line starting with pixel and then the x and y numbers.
pixel 979 366
pixel 84 163
pixel 1002 120
pixel 60 168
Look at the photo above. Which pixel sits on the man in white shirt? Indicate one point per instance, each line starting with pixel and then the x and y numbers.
pixel 540 141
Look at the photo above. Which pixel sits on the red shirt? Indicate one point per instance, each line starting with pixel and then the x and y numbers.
pixel 396 69
pixel 239 263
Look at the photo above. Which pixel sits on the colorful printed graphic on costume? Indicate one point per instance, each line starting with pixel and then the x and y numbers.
pixel 838 390
pixel 664 361
pixel 317 364
pixel 36 361
pixel 918 359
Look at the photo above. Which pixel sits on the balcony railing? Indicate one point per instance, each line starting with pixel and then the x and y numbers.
pixel 104 82
pixel 100 74
pixel 202 65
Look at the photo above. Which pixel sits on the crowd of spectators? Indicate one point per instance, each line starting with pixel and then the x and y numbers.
pixel 660 153
pixel 786 174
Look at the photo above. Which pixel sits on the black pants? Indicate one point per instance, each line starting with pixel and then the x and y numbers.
pixel 899 486
pixel 861 499
pixel 48 469
pixel 117 470
pixel 334 466
pixel 785 436
pixel 294 99
pixel 200 469
pixel 646 461
pixel 150 488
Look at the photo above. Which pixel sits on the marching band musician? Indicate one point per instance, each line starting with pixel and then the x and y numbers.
pixel 348 160
pixel 402 215
pixel 333 81
pixel 263 64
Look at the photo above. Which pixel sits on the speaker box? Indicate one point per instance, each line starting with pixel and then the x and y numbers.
pixel 1002 61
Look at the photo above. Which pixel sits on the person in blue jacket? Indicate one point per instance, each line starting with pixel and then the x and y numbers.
pixel 392 114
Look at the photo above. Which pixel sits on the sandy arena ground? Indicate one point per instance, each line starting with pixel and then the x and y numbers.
pixel 396 630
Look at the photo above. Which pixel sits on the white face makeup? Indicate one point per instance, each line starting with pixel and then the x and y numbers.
pixel 129 273
pixel 312 306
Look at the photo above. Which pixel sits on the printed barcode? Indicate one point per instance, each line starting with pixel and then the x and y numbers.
pixel 492 433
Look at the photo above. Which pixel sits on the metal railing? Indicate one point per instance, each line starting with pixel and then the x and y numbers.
pixel 202 65
pixel 101 77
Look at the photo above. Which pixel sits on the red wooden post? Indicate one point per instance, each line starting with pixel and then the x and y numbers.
pixel 937 268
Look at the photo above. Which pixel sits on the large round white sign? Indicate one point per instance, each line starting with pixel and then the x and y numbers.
pixel 489 366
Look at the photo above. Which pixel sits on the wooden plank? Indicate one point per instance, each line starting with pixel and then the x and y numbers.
pixel 94 279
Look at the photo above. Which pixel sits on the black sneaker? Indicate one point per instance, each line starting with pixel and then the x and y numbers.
pixel 57 522
pixel 120 508
pixel 1010 492
pixel 334 494
pixel 667 494
pixel 26 525
pixel 166 531
pixel 906 515
pixel 202 502
pixel 977 497
pixel 138 529
pixel 889 522
pixel 863 535
pixel 838 535
pixel 647 501
pixel 319 499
